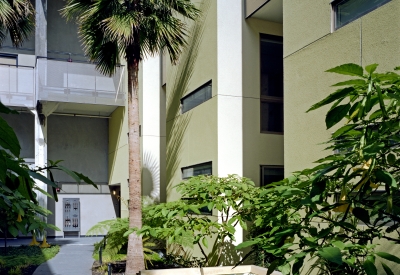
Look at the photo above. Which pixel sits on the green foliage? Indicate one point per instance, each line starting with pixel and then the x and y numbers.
pixel 19 208
pixel 134 31
pixel 306 220
pixel 114 244
pixel 26 255
pixel 182 223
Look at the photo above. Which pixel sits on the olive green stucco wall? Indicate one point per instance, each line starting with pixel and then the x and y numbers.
pixel 310 49
pixel 118 154
pixel 198 126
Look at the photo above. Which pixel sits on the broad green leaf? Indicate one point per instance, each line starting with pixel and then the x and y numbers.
pixel 336 114
pixel 85 179
pixel 332 254
pixel 317 189
pixel 361 214
pixel 391 159
pixel 285 269
pixel 51 226
pixel 246 244
pixel 339 94
pixel 386 177
pixel 205 242
pixel 297 266
pixel 8 139
pixel 42 178
pixel 370 268
pixel 69 173
pixel 3 168
pixel 350 82
pixel 13 231
pixel 272 267
pixel 371 68
pixel 381 103
pixel 376 114
pixel 387 269
pixel 54 189
pixel 394 96
pixel 347 69
pixel 339 245
pixel 373 149
pixel 388 257
pixel 243 224
pixel 343 130
pixel 33 226
pixel 6 110
pixel 21 227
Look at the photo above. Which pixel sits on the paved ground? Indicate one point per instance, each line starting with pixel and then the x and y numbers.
pixel 74 258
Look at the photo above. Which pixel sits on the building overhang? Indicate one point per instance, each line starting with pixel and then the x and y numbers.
pixel 268 10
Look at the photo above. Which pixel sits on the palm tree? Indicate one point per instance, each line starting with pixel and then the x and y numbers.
pixel 133 29
pixel 16 20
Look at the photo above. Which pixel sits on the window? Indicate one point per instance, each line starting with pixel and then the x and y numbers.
pixel 271 83
pixel 197 97
pixel 270 174
pixel 346 11
pixel 196 170
pixel 8 59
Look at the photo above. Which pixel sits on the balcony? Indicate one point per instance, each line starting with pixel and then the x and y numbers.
pixel 74 82
pixel 17 86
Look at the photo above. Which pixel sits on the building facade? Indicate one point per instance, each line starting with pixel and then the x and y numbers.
pixel 234 104
pixel 65 110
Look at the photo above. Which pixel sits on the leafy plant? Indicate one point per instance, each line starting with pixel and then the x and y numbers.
pixel 363 174
pixel 182 223
pixel 19 208
pixel 114 245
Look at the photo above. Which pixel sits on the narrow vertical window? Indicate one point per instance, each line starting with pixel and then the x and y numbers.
pixel 271 83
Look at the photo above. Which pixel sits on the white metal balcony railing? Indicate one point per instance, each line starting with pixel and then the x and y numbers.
pixel 78 83
pixel 17 86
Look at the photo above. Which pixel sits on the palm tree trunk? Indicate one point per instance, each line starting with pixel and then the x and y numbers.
pixel 135 258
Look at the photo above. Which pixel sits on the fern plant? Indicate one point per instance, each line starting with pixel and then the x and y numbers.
pixel 114 245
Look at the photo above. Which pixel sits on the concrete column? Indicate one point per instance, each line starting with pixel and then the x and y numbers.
pixel 230 90
pixel 41 28
pixel 151 117
pixel 41 115
pixel 230 102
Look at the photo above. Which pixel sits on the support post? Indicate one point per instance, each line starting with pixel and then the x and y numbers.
pixel 41 28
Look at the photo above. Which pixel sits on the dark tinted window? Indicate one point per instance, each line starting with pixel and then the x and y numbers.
pixel 196 170
pixel 197 97
pixel 270 174
pixel 349 10
pixel 271 83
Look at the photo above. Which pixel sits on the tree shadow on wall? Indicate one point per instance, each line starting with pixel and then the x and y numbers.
pixel 179 82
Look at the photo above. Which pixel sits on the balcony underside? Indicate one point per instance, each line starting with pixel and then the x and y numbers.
pixel 268 10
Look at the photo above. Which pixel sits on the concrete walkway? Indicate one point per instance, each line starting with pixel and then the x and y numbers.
pixel 74 258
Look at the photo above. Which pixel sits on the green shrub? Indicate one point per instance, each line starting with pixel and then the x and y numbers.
pixel 15 271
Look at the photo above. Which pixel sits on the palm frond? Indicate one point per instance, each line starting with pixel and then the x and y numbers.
pixel 17 19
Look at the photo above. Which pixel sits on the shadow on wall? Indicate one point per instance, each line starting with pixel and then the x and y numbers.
pixel 180 79
pixel 229 254
pixel 151 173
